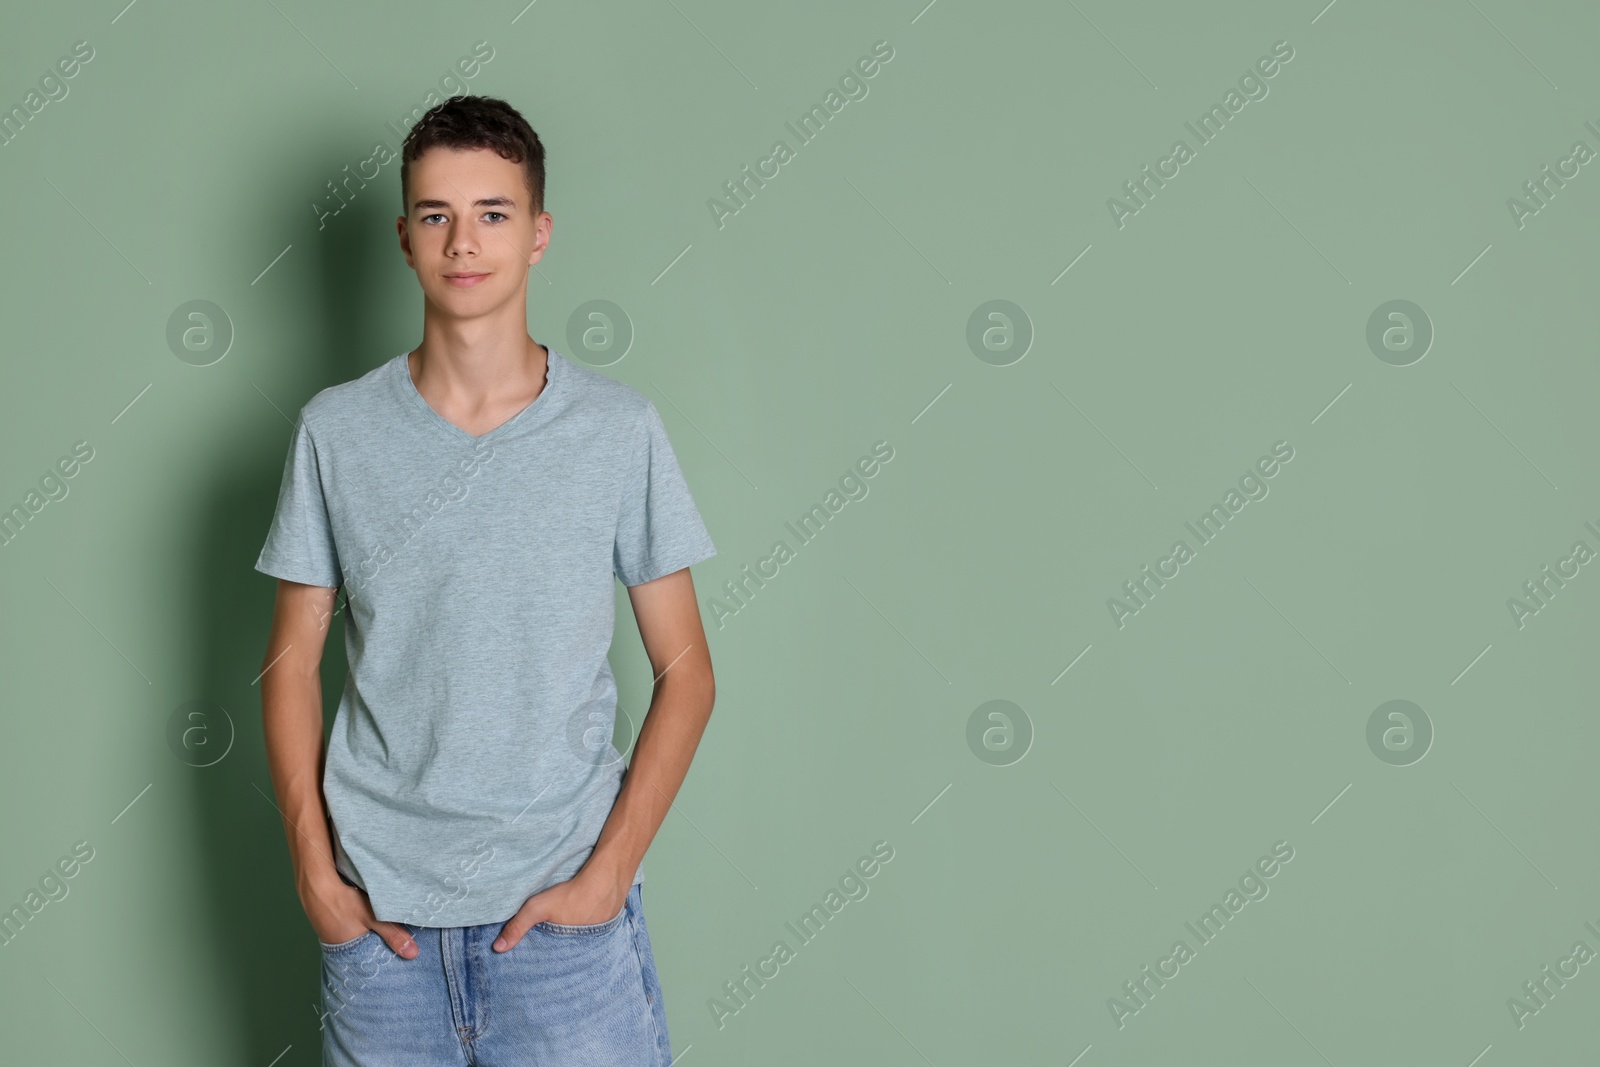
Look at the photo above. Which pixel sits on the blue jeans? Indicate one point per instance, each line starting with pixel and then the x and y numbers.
pixel 563 996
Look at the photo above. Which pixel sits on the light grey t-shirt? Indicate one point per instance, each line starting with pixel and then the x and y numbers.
pixel 470 764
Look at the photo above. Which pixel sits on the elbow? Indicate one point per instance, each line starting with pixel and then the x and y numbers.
pixel 691 683
pixel 708 688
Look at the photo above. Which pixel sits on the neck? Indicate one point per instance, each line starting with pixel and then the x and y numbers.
pixel 482 374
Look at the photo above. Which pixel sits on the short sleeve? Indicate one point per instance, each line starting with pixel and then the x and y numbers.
pixel 300 545
pixel 659 529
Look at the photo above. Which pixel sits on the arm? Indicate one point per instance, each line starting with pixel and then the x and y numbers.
pixel 680 706
pixel 684 691
pixel 291 718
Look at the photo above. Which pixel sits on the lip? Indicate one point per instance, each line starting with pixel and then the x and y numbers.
pixel 465 279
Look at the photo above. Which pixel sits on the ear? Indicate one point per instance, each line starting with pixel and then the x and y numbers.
pixel 405 240
pixel 541 237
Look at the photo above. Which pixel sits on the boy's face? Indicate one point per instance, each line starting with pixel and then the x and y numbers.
pixel 470 232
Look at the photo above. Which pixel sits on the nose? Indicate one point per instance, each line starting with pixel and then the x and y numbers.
pixel 461 241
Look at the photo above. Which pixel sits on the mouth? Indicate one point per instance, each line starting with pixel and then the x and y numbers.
pixel 465 279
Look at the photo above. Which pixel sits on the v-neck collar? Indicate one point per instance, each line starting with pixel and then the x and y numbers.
pixel 556 368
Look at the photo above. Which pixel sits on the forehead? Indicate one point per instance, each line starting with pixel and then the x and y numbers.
pixel 457 175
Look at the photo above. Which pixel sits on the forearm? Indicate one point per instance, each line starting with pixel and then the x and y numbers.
pixel 292 723
pixel 679 710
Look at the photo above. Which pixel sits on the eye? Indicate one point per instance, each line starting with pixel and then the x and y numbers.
pixel 487 214
pixel 425 218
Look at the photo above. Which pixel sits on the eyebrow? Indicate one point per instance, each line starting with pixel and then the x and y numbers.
pixel 492 201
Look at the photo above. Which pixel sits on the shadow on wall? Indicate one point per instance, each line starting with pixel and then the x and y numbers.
pixel 347 279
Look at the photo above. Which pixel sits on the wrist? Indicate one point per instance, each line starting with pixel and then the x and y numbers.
pixel 317 873
pixel 609 870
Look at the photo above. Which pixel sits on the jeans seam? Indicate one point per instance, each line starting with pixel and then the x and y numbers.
pixel 649 1004
pixel 344 946
pixel 455 995
pixel 565 930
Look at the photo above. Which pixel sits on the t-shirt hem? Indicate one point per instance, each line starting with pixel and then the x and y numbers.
pixel 304 573
pixel 662 566
pixel 488 915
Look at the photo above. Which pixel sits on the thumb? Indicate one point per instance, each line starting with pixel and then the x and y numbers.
pixel 398 938
pixel 518 924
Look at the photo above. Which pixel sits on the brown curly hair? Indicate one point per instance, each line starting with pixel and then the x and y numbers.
pixel 476 122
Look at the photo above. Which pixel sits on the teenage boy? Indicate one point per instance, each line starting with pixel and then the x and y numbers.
pixel 471 854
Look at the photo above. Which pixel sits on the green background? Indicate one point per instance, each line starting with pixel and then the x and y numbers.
pixel 1127 794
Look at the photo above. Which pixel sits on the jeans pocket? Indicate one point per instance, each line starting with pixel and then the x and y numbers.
pixel 566 930
pixel 346 946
